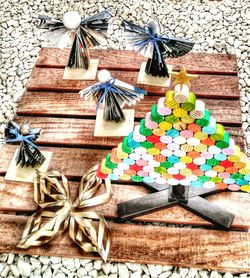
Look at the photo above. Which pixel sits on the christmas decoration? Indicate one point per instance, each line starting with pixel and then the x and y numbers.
pixel 82 34
pixel 113 94
pixel 28 154
pixel 58 213
pixel 180 148
pixel 154 45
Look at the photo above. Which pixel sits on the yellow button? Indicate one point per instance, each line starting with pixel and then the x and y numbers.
pixel 159 132
pixel 200 135
pixel 104 169
pixel 153 151
pixel 186 159
pixel 165 125
pixel 125 177
pixel 187 119
pixel 120 153
pixel 186 172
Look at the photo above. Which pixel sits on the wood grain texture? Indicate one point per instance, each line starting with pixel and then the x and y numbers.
pixel 207 86
pixel 10 193
pixel 71 105
pixel 72 162
pixel 80 132
pixel 131 60
pixel 198 248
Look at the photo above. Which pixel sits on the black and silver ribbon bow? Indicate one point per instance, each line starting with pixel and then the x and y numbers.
pixel 114 94
pixel 151 43
pixel 90 32
pixel 28 154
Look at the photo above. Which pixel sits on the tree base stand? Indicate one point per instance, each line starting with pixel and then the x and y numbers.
pixel 190 198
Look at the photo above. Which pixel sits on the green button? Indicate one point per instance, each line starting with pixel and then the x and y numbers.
pixel 137 179
pixel 147 144
pixel 110 164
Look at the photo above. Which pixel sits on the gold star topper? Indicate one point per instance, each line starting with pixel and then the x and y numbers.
pixel 183 77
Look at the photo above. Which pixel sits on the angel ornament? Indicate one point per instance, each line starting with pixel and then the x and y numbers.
pixel 151 43
pixel 27 158
pixel 113 94
pixel 81 34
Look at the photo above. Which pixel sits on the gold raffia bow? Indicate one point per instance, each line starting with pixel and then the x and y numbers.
pixel 86 228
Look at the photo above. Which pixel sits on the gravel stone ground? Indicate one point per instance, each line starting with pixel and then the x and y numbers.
pixel 218 27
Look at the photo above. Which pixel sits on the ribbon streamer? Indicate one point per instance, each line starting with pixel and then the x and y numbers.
pixel 28 154
pixel 149 41
pixel 58 213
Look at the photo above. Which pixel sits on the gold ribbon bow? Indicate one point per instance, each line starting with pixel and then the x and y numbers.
pixel 86 228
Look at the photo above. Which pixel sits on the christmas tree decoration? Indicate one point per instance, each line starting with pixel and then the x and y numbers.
pixel 58 213
pixel 113 94
pixel 81 34
pixel 27 158
pixel 180 151
pixel 151 43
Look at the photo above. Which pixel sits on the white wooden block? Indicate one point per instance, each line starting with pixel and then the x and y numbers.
pixel 26 174
pixel 113 129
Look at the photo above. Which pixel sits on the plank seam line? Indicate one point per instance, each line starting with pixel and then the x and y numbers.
pixel 90 117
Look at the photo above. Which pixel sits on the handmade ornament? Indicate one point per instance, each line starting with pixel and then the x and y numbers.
pixel 113 94
pixel 154 45
pixel 27 158
pixel 28 153
pixel 58 213
pixel 180 159
pixel 82 34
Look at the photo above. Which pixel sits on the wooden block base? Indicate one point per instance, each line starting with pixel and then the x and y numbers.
pixel 146 79
pixel 82 74
pixel 113 129
pixel 26 174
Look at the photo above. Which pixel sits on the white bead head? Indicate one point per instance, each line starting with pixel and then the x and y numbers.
pixel 104 76
pixel 71 19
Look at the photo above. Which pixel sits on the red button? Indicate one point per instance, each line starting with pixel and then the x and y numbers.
pixel 192 166
pixel 153 138
pixel 226 163
pixel 179 177
pixel 135 167
pixel 99 174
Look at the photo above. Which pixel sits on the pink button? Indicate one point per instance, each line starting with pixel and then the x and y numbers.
pixel 186 133
pixel 234 187
pixel 141 162
pixel 142 174
pixel 207 155
pixel 224 175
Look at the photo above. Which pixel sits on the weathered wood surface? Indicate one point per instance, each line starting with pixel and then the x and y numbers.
pixel 130 60
pixel 68 121
pixel 10 193
pixel 79 132
pixel 188 247
pixel 207 86
pixel 71 105
pixel 72 162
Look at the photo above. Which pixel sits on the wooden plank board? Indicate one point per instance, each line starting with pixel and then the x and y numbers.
pixel 68 121
pixel 10 201
pixel 207 86
pixel 130 60
pixel 71 105
pixel 72 162
pixel 79 132
pixel 198 248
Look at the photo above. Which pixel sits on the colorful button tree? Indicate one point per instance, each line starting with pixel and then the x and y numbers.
pixel 179 142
